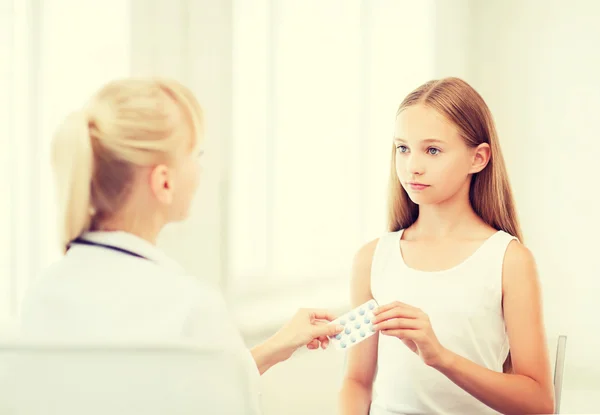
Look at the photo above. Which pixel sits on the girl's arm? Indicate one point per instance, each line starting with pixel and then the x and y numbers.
pixel 355 393
pixel 529 390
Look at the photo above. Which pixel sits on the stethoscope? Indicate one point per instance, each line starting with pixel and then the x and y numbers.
pixel 81 241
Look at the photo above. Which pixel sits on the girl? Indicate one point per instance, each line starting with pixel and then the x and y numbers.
pixel 456 288
pixel 126 166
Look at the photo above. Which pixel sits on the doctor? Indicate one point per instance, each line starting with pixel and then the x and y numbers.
pixel 125 166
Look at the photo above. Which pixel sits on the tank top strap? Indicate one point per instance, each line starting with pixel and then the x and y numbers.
pixel 387 247
pixel 497 245
pixel 491 257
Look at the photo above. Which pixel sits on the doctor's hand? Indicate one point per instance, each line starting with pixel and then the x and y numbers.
pixel 308 327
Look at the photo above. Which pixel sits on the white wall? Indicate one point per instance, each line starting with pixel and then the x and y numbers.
pixel 453 34
pixel 537 64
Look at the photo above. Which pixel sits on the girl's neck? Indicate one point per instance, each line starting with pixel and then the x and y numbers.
pixel 452 218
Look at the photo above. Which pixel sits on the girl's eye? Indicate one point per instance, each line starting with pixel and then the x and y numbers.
pixel 433 151
pixel 402 149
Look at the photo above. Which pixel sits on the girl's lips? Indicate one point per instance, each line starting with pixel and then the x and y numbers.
pixel 418 186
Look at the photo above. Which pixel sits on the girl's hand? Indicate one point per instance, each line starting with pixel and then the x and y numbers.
pixel 413 327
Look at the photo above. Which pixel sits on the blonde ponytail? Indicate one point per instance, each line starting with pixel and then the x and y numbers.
pixel 73 164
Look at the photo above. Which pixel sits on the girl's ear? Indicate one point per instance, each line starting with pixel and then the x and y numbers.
pixel 481 157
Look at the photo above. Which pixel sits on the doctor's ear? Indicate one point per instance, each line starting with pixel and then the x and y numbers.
pixel 162 183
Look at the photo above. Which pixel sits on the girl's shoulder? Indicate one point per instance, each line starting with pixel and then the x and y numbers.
pixel 367 251
pixel 364 256
pixel 373 252
pixel 517 257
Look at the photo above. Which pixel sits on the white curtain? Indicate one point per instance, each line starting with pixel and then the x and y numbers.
pixel 52 56
pixel 315 89
pixel 19 159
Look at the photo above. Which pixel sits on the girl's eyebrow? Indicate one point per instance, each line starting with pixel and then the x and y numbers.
pixel 427 140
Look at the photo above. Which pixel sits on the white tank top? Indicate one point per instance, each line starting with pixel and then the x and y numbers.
pixel 464 304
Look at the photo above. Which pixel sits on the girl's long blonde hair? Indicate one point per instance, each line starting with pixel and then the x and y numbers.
pixel 490 193
pixel 128 123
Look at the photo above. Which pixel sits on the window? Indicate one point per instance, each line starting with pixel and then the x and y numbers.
pixel 18 130
pixel 45 72
pixel 315 89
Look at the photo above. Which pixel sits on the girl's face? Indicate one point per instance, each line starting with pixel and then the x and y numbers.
pixel 433 163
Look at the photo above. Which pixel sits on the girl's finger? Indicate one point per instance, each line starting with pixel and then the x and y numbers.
pixel 397 312
pixel 398 324
pixel 394 304
pixel 402 333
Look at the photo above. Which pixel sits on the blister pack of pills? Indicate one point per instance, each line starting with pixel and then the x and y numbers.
pixel 358 326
